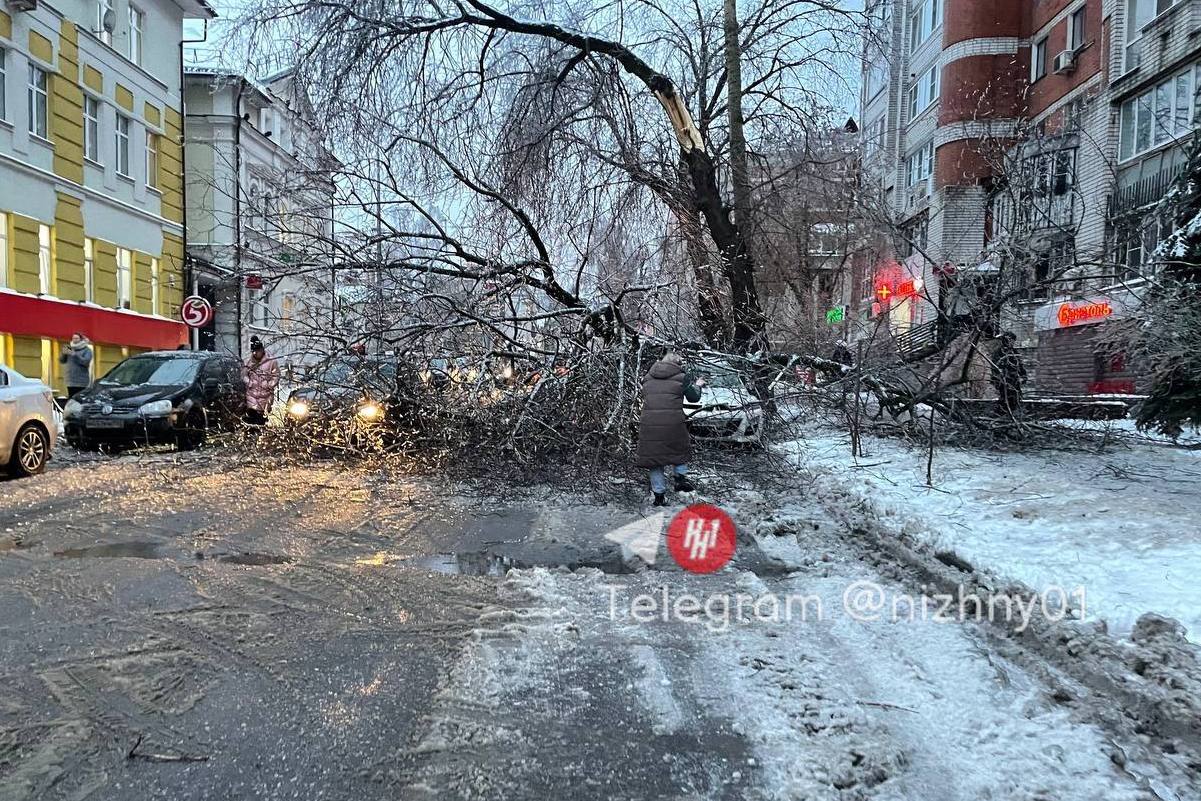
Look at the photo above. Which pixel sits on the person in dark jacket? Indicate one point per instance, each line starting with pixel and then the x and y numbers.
pixel 664 445
pixel 1008 375
pixel 78 358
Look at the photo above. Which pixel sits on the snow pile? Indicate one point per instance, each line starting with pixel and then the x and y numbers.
pixel 1122 524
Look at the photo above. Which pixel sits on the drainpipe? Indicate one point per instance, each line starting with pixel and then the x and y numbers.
pixel 189 279
pixel 238 278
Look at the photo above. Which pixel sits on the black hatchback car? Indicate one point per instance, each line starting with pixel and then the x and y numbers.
pixel 162 397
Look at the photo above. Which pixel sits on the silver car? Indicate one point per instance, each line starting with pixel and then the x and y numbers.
pixel 28 427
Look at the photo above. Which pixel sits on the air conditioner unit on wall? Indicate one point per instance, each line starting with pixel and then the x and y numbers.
pixel 1065 62
pixel 23 5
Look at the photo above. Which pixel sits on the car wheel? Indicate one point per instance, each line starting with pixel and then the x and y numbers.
pixel 31 451
pixel 194 431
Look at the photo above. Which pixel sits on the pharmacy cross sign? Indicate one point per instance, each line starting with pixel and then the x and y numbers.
pixel 701 538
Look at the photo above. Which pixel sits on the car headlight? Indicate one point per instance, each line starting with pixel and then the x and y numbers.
pixel 298 409
pixel 370 412
pixel 156 408
pixel 73 408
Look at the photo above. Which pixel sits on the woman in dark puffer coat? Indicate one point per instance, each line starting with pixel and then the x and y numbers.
pixel 663 440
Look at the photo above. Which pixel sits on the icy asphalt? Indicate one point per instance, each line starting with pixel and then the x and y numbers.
pixel 211 628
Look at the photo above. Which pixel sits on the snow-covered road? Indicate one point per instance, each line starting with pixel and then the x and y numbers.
pixel 1123 522
pixel 220 627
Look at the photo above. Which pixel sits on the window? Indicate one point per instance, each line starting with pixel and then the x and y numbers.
pixel 151 159
pixel 1159 114
pixel 923 92
pixel 1076 29
pixel 38 102
pixel 1138 14
pixel 103 7
pixel 260 307
pixel 121 142
pixel 154 286
pixel 3 252
pixel 1038 60
pixel 124 278
pixel 89 270
pixel 924 21
pixel 1136 246
pixel 873 137
pixel 915 236
pixel 3 78
pixel 1050 267
pixel 45 261
pixel 91 128
pixel 877 76
pixel 136 22
pixel 920 165
pixel 265 120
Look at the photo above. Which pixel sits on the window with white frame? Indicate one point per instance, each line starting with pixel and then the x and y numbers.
pixel 39 102
pixel 124 278
pixel 1038 60
pixel 137 23
pixel 877 76
pixel 89 270
pixel 1076 22
pixel 3 251
pixel 151 159
pixel 154 286
pixel 926 18
pixel 45 260
pixel 923 92
pixel 91 128
pixel 103 7
pixel 1160 114
pixel 259 301
pixel 1138 14
pixel 3 79
pixel 121 145
pixel 920 165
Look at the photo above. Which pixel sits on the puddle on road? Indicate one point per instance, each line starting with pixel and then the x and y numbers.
pixel 254 559
pixel 10 544
pixel 128 550
pixel 145 549
pixel 488 563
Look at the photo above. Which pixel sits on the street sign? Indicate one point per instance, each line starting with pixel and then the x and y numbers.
pixel 196 312
pixel 254 281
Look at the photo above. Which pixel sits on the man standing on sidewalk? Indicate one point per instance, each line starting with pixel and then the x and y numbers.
pixel 78 358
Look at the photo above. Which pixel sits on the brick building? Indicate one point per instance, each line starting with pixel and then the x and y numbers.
pixel 91 179
pixel 1018 147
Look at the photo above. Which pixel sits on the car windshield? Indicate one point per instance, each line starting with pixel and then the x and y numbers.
pixel 724 379
pixel 161 371
pixel 359 374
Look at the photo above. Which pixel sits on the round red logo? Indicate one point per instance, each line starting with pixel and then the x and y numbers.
pixel 701 538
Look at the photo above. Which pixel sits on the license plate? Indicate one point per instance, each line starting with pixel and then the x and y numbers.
pixel 102 422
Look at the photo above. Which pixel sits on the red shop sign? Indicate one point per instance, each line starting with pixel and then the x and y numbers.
pixel 1078 314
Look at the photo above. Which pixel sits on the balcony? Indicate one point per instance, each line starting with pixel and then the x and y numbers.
pixel 1143 192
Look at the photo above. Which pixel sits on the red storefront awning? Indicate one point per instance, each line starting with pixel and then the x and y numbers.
pixel 30 316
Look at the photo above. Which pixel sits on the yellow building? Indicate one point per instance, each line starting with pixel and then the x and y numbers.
pixel 91 187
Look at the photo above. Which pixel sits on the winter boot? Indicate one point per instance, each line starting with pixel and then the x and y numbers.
pixel 660 499
pixel 684 485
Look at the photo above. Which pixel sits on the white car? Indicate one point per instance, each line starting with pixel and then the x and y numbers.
pixel 28 426
pixel 727 410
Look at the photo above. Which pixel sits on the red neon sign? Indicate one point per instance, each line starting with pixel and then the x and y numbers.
pixel 1070 315
pixel 903 289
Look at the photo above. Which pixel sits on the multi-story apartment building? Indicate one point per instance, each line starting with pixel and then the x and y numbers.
pixel 260 214
pixel 91 187
pixel 1017 148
